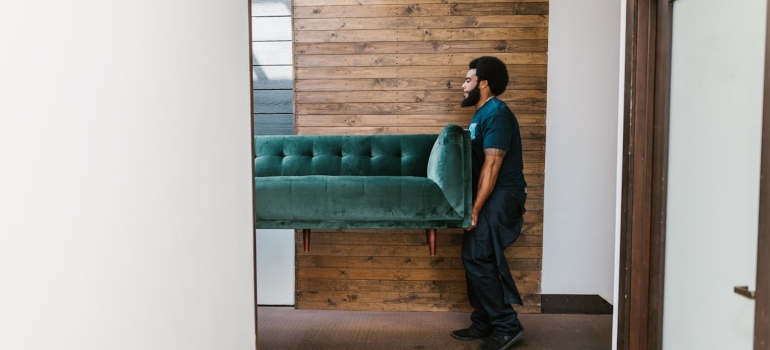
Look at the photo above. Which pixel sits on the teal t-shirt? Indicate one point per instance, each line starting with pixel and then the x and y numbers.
pixel 495 126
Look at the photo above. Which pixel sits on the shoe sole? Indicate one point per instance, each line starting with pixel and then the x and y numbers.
pixel 513 341
pixel 466 338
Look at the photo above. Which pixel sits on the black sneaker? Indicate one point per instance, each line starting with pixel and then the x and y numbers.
pixel 468 334
pixel 501 342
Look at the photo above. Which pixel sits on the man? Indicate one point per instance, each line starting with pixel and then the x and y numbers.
pixel 496 220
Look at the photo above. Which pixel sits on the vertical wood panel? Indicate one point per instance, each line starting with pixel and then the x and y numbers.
pixel 392 66
pixel 645 149
pixel 662 51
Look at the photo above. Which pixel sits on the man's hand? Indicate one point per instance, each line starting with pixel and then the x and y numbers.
pixel 474 218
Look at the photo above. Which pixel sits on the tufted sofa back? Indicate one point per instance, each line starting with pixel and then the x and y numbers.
pixel 350 155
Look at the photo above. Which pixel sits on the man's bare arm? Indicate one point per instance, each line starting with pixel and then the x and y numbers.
pixel 493 159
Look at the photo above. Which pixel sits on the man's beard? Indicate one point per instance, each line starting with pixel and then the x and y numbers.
pixel 473 97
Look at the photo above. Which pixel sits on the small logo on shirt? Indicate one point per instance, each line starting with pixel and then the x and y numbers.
pixel 472 129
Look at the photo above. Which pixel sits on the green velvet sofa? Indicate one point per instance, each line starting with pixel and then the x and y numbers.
pixel 364 181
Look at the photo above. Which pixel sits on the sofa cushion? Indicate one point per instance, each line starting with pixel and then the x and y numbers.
pixel 352 198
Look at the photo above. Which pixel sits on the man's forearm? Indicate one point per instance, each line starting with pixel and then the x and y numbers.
pixel 487 180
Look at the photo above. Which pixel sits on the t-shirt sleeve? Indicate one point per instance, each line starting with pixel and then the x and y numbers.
pixel 498 131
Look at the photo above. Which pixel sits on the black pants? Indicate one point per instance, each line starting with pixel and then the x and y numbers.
pixel 490 286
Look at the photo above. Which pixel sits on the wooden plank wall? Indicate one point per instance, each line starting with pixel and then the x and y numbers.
pixel 393 66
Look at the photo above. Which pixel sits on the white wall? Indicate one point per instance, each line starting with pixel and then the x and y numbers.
pixel 125 190
pixel 581 147
pixel 713 183
pixel 275 267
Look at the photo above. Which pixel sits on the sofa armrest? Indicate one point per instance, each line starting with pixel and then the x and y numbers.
pixel 449 166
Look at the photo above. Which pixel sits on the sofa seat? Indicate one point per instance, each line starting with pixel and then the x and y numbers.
pixel 340 202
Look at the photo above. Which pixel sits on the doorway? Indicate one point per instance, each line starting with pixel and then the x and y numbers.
pixel 644 193
pixel 652 83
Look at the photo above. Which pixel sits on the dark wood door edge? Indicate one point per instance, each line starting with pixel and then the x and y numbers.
pixel 762 311
pixel 659 174
pixel 644 171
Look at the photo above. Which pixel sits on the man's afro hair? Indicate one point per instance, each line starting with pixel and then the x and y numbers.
pixel 493 70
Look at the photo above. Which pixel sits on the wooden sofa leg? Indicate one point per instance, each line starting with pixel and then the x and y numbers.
pixel 306 238
pixel 431 232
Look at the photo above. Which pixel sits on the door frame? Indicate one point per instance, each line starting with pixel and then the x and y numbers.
pixel 644 178
pixel 253 188
pixel 644 173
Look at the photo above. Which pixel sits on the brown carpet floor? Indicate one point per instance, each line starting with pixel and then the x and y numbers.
pixel 284 328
